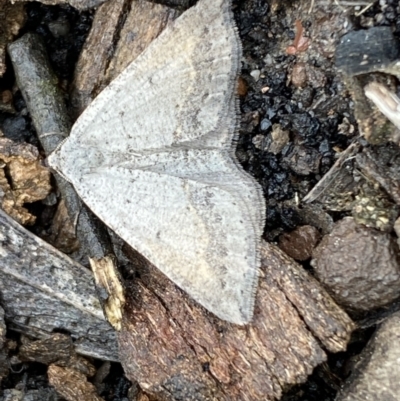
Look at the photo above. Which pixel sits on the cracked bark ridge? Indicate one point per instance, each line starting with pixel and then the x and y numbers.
pixel 41 283
pixel 175 349
pixel 121 30
pixel 58 349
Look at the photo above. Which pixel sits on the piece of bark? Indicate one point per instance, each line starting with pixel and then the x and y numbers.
pixel 179 4
pixel 101 373
pixel 388 103
pixel 371 169
pixel 375 375
pixel 121 30
pixel 62 232
pixel 72 385
pixel 329 180
pixel 359 266
pixel 23 179
pixel 45 103
pixel 12 18
pixel 176 350
pixel 42 291
pixel 109 289
pixel 58 349
pixel 366 50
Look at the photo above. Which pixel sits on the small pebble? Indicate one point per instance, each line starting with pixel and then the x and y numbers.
pixel 300 243
pixel 256 74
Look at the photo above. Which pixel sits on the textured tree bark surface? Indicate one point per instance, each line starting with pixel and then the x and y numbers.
pixel 121 30
pixel 42 291
pixel 71 384
pixel 173 347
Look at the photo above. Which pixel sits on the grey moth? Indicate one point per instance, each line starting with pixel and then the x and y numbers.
pixel 153 157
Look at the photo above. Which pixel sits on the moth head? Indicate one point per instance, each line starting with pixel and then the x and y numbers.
pixel 56 160
pixel 72 160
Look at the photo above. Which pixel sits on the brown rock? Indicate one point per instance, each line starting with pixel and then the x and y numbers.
pixel 305 74
pixel 300 243
pixel 279 138
pixel 376 374
pixel 299 75
pixel 303 160
pixel 358 265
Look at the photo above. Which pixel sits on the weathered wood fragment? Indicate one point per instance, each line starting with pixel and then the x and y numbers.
pixel 58 349
pixel 45 103
pixel 72 385
pixel 330 178
pixel 174 348
pixel 43 291
pixel 121 30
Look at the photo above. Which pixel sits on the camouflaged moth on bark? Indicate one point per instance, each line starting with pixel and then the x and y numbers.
pixel 153 157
